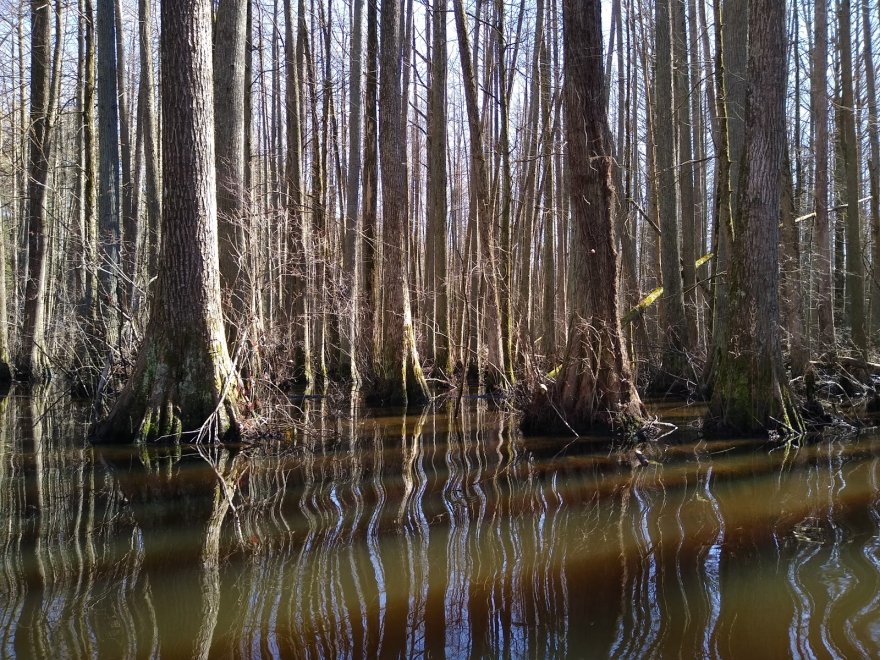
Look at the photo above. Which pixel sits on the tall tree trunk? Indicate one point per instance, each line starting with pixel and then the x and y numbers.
pixel 790 277
pixel 530 199
pixel 699 121
pixel 296 279
pixel 147 126
pixel 86 305
pixel 230 39
pixel 314 241
pixel 685 166
pixel 855 267
pixel 480 207
pixel 750 389
pixel 595 386
pixel 5 358
pixel 873 171
pixel 505 192
pixel 674 333
pixel 369 259
pixel 184 385
pixel 352 247
pixel 734 31
pixel 550 215
pixel 626 225
pixel 109 184
pixel 398 372
pixel 127 210
pixel 824 264
pixel 437 208
pixel 32 362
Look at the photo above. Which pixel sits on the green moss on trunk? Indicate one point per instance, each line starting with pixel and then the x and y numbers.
pixel 177 394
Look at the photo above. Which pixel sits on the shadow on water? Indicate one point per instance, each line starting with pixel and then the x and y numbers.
pixel 373 533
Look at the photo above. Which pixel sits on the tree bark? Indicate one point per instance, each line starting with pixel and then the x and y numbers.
pixel 437 207
pixel 229 90
pixel 855 267
pixel 750 390
pixel 352 246
pixel 873 171
pixel 398 372
pixel 32 362
pixel 505 193
pixel 673 325
pixel 480 208
pixel 5 359
pixel 295 304
pixel 147 126
pixel 127 212
pixel 731 18
pixel 184 385
pixel 685 167
pixel 824 264
pixel 790 277
pixel 109 183
pixel 86 307
pixel 369 259
pixel 595 387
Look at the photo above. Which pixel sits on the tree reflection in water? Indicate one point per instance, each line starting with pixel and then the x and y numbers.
pixel 370 534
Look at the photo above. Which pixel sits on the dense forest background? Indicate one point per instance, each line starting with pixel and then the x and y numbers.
pixel 399 190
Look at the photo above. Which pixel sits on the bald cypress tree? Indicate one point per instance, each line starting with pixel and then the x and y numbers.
pixel 750 389
pixel 595 386
pixel 183 376
pixel 398 372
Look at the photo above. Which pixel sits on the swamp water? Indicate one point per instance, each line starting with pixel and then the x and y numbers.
pixel 427 535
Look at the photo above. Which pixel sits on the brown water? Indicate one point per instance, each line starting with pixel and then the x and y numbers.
pixel 422 535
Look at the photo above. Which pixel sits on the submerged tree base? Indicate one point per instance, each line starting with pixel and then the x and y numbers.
pixel 542 415
pixel 593 392
pixel 412 389
pixel 170 399
pixel 751 395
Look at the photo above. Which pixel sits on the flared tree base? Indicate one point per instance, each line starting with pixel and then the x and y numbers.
pixel 594 391
pixel 749 398
pixel 185 390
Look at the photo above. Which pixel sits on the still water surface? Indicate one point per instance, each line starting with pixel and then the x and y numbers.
pixel 384 535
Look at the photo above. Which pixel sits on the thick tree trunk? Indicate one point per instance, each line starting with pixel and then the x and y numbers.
pixel 184 381
pixel 595 387
pixel 750 389
pixel 398 373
